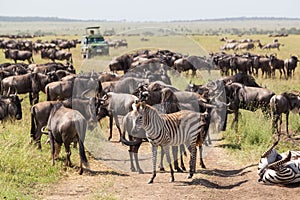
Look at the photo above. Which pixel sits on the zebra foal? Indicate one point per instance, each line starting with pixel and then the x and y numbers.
pixel 275 168
pixel 165 130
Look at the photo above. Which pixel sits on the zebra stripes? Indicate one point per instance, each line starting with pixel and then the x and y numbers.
pixel 277 168
pixel 183 127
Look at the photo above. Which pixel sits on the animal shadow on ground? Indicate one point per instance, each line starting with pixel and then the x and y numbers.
pixel 228 173
pixel 209 184
pixel 90 172
pixel 221 173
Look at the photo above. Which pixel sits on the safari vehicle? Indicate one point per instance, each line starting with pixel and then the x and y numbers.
pixel 93 43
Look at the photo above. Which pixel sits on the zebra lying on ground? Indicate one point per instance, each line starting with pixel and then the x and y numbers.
pixel 165 130
pixel 277 168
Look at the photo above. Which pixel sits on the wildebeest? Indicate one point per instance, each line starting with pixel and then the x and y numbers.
pixel 248 98
pixel 32 83
pixel 283 103
pixel 247 46
pixel 10 106
pixel 113 104
pixel 263 63
pixel 64 126
pixel 54 54
pixel 273 45
pixel 59 90
pixel 276 63
pixel 290 65
pixel 15 55
pixel 184 65
pixel 40 113
pixel 121 63
pixel 243 65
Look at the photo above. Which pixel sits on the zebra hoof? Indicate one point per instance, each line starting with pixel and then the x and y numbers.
pixel 172 180
pixel 150 181
pixel 183 168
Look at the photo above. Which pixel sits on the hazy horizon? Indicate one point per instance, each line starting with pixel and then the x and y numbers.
pixel 134 10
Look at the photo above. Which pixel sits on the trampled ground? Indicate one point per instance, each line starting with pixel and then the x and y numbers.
pixel 224 178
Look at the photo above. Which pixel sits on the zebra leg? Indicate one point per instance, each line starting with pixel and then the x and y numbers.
pixel 154 156
pixel 201 157
pixel 167 152
pixel 193 152
pixel 161 164
pixel 182 152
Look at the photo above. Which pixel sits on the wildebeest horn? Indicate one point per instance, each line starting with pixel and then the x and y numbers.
pixel 84 93
pixel 267 153
pixel 276 164
pixel 43 129
pixel 8 92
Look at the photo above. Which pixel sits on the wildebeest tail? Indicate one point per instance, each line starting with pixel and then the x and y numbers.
pixel 48 93
pixel 83 157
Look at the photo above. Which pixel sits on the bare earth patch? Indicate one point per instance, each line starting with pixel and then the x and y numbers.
pixel 224 178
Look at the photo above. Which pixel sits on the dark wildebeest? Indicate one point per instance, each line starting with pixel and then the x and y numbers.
pixel 64 126
pixel 15 55
pixel 283 103
pixel 248 98
pixel 290 65
pixel 59 90
pixel 276 63
pixel 113 104
pixel 54 54
pixel 40 113
pixel 10 106
pixel 263 63
pixel 273 45
pixel 32 83
pixel 121 63
pixel 243 65
pixel 183 64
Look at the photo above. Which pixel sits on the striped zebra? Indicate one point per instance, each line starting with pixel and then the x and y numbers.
pixel 165 130
pixel 277 168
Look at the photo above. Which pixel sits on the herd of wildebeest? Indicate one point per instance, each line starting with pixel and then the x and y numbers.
pixel 77 102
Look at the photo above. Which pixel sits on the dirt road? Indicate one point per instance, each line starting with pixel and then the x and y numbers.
pixel 224 178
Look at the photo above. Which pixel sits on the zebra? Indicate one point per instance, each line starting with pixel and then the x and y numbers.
pixel 277 168
pixel 165 130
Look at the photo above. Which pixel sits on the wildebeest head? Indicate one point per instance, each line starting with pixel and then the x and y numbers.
pixel 14 105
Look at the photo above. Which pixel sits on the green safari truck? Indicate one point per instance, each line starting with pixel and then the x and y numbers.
pixel 93 43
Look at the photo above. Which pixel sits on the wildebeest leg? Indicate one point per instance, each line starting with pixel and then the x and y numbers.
pixel 161 164
pixel 30 98
pixel 193 152
pixel 68 154
pixel 167 152
pixel 287 124
pixel 118 126
pixel 182 152
pixel 175 157
pixel 52 146
pixel 135 151
pixel 110 126
pixel 201 157
pixel 132 168
pixel 280 123
pixel 154 156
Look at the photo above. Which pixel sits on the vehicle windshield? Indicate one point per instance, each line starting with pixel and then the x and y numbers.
pixel 95 40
